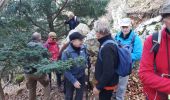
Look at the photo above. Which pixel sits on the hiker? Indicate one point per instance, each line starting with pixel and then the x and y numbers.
pixel 81 28
pixel 128 39
pixel 106 78
pixel 75 77
pixel 72 21
pixel 154 69
pixel 31 79
pixel 52 46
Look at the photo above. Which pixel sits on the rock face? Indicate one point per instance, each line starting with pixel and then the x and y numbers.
pixel 146 20
pixel 138 10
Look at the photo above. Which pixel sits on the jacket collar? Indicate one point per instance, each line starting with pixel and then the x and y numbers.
pixel 168 31
pixel 103 39
pixel 70 48
pixel 127 36
pixel 164 32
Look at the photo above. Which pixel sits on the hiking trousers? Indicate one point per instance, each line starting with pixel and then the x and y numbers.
pixel 31 83
pixel 122 86
pixel 69 89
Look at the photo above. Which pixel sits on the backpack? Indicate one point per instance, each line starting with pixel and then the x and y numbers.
pixel 76 20
pixel 156 40
pixel 125 59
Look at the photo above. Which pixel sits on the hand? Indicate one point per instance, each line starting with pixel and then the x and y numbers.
pixel 115 88
pixel 77 85
pixel 96 91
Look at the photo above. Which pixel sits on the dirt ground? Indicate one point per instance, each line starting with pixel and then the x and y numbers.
pixel 16 92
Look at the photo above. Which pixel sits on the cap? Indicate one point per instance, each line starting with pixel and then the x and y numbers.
pixel 76 35
pixel 125 22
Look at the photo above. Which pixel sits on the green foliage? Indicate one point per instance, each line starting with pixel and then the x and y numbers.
pixel 41 15
pixel 60 66
pixel 88 8
pixel 20 18
pixel 19 78
pixel 35 58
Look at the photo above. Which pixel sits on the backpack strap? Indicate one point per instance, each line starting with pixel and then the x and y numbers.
pixel 156 40
pixel 106 42
pixel 133 40
pixel 75 18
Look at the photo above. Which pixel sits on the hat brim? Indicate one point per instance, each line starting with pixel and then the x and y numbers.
pixel 125 25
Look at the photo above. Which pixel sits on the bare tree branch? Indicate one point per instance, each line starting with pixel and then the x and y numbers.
pixel 2 3
pixel 56 14
pixel 35 24
pixel 59 24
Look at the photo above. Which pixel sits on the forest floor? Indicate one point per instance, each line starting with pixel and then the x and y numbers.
pixel 16 92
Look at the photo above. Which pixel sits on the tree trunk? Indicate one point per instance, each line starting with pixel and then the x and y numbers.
pixel 2 97
pixel 50 23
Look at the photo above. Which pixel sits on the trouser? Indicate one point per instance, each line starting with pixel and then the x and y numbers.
pixel 58 76
pixel 105 94
pixel 122 86
pixel 69 89
pixel 59 82
pixel 31 82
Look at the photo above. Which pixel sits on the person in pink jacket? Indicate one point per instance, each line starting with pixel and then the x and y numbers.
pixel 52 46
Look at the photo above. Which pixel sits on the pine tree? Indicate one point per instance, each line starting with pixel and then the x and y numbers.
pixel 20 18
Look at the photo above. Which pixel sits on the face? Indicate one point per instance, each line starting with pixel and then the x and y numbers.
pixel 39 37
pixel 98 35
pixel 77 43
pixel 167 22
pixel 125 29
pixel 53 38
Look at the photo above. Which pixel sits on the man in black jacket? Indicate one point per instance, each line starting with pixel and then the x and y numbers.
pixel 105 75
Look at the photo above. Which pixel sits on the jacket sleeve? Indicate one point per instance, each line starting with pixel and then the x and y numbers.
pixel 46 45
pixel 137 49
pixel 66 22
pixel 78 20
pixel 109 57
pixel 68 74
pixel 146 71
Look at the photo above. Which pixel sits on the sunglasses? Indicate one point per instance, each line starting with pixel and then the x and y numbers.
pixel 54 38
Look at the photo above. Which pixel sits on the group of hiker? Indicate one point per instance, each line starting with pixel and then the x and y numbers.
pixel 115 61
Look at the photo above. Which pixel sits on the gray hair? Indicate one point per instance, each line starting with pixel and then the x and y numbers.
pixel 71 14
pixel 102 26
pixel 36 36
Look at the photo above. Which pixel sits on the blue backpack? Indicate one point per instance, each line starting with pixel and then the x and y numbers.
pixel 125 59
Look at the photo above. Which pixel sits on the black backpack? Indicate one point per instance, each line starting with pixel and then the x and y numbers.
pixel 156 39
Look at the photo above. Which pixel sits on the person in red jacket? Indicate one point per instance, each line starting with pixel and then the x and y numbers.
pixel 52 46
pixel 156 80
